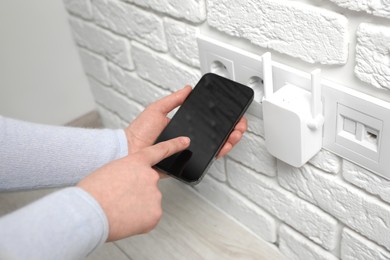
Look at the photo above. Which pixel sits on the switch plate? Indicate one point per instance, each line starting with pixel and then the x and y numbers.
pixel 235 64
pixel 357 127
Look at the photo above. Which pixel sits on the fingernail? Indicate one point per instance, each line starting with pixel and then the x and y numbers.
pixel 185 140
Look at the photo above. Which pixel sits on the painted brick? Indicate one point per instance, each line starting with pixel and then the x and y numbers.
pixel 131 85
pixel 310 33
pixel 367 180
pixel 218 169
pixel 255 124
pixel 131 21
pixel 297 247
pixel 303 216
pixel 163 70
pixel 326 161
pixel 114 48
pixel 79 7
pixel 110 120
pixel 190 10
pixel 234 204
pixel 252 152
pixel 182 41
pixel 378 8
pixel 356 247
pixel 287 179
pixel 359 211
pixel 126 109
pixel 95 66
pixel 372 55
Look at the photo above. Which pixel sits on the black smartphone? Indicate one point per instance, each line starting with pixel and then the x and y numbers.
pixel 207 117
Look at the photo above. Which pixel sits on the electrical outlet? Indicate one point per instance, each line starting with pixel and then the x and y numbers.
pixel 235 64
pixel 357 127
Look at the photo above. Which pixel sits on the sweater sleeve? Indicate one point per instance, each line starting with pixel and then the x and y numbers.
pixel 68 224
pixel 35 156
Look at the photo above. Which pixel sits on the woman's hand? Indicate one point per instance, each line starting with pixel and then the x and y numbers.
pixel 145 129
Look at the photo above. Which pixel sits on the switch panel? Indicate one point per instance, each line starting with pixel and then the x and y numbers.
pixel 235 64
pixel 357 127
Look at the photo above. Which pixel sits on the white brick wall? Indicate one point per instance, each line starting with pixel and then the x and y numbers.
pixel 137 51
pixel 252 152
pixel 303 216
pixel 131 21
pixel 190 10
pixel 373 55
pixel 356 247
pixel 95 66
pixel 326 161
pixel 366 180
pixel 218 169
pixel 353 207
pixel 118 104
pixel 182 43
pixel 162 69
pixel 114 48
pixel 132 86
pixel 254 218
pixel 79 7
pixel 297 247
pixel 299 30
pixel 378 8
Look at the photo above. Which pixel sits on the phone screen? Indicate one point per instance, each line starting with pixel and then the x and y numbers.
pixel 207 117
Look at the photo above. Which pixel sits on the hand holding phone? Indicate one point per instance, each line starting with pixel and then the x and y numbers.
pixel 207 117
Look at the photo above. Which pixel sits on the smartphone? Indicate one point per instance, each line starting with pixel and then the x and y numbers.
pixel 207 117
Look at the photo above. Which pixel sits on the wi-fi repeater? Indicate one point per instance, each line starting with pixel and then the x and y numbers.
pixel 292 117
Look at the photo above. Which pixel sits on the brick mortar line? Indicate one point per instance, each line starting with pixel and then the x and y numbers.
pixel 280 221
pixel 131 40
pixel 353 186
pixel 125 70
pixel 311 241
pixel 110 87
pixel 168 53
pixel 277 220
pixel 248 167
pixel 291 193
pixel 339 221
pixel 162 15
pixel 123 36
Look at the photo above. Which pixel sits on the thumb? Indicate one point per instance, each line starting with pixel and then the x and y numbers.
pixel 156 153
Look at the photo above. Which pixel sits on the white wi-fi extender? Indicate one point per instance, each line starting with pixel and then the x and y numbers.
pixel 293 118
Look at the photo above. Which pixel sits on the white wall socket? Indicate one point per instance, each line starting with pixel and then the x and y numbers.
pixel 357 126
pixel 235 64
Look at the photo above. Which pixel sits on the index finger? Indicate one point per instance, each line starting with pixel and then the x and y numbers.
pixel 170 102
pixel 158 152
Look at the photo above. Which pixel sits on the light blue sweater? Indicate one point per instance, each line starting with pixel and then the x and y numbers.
pixel 68 224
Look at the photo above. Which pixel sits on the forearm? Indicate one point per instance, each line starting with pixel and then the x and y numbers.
pixel 33 155
pixel 68 224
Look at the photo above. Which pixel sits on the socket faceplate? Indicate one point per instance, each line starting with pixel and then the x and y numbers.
pixel 357 127
pixel 233 63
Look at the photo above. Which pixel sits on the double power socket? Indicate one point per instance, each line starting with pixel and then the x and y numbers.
pixel 357 126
